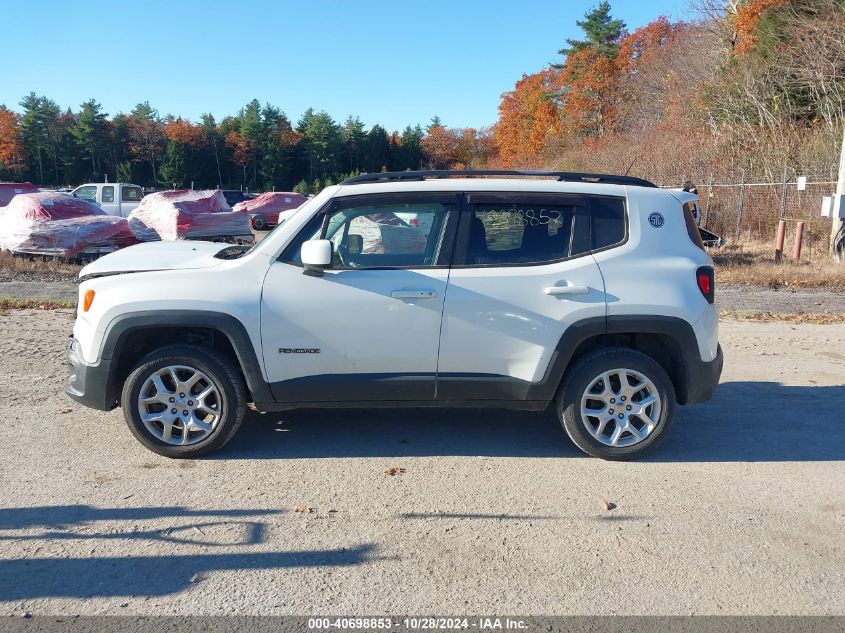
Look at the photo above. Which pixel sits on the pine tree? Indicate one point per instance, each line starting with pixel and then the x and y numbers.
pixel 601 30
pixel 173 168
pixel 321 140
pixel 34 131
pixel 354 138
pixel 89 133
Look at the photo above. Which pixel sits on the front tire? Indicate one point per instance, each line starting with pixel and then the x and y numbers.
pixel 183 401
pixel 616 404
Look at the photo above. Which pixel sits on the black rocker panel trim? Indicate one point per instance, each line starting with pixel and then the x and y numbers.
pixel 328 388
pixel 515 405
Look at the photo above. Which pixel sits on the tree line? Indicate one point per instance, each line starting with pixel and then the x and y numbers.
pixel 750 86
pixel 258 148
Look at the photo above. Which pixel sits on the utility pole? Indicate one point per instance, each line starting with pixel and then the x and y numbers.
pixel 837 230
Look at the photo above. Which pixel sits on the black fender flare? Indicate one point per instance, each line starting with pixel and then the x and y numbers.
pixel 688 365
pixel 232 328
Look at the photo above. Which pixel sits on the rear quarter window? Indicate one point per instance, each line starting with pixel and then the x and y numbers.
pixel 131 194
pixel 608 226
pixel 692 225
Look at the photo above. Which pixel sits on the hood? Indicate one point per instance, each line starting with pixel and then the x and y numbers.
pixel 180 254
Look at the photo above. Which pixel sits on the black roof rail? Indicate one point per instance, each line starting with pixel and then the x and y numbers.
pixel 561 176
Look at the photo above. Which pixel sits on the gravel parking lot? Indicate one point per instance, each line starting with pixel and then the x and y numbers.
pixel 742 511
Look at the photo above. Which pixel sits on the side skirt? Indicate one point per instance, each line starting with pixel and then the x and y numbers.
pixel 510 405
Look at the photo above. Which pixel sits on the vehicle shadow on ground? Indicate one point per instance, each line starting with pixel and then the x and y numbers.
pixel 104 576
pixel 28 578
pixel 745 421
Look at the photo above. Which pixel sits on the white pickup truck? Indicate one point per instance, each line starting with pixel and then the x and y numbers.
pixel 115 198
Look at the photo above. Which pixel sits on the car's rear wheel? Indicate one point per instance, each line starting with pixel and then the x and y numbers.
pixel 183 401
pixel 616 404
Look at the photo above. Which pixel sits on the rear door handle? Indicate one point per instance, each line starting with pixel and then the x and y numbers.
pixel 567 290
pixel 413 294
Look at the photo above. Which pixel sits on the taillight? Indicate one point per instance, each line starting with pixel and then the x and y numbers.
pixel 705 279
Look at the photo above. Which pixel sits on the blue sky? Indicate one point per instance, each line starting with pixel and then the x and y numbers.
pixel 393 63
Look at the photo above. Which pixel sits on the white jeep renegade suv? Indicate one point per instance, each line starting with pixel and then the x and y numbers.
pixel 518 290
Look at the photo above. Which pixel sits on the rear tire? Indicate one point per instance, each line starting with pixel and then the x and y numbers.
pixel 616 404
pixel 184 401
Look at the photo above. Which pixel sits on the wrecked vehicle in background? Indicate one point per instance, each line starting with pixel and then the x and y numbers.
pixel 184 214
pixel 59 225
pixel 264 210
pixel 9 190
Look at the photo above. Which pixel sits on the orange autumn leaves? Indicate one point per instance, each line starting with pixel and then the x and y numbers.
pixel 582 99
pixel 11 143
pixel 527 118
pixel 185 132
pixel 747 18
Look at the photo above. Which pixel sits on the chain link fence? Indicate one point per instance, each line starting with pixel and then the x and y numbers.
pixel 751 208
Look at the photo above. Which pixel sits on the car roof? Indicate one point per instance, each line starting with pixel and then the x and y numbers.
pixel 482 184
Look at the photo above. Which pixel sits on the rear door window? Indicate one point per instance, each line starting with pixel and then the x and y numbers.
pixel 108 194
pixel 519 229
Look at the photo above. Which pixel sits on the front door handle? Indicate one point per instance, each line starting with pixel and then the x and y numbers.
pixel 567 290
pixel 413 294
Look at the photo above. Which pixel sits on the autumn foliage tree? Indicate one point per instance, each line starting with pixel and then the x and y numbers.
pixel 527 119
pixel 747 19
pixel 11 144
pixel 440 145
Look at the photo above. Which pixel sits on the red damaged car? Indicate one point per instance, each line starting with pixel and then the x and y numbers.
pixel 264 210
pixel 59 225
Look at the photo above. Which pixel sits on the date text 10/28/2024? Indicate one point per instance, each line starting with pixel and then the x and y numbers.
pixel 419 623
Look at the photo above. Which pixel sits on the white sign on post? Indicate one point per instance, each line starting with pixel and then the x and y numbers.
pixel 802 183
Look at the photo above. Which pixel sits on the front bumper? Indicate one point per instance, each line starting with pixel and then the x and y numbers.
pixel 89 384
pixel 702 378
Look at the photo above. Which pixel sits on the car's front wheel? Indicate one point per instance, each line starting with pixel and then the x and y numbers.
pixel 183 401
pixel 616 404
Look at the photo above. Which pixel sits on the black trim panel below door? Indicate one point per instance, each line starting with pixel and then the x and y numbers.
pixel 331 388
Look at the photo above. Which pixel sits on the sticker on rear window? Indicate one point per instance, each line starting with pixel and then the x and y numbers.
pixel 656 219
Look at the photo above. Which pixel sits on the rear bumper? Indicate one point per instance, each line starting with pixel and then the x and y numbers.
pixel 702 377
pixel 89 384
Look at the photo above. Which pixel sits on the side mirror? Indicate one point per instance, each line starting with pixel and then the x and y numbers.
pixel 316 257
pixel 356 243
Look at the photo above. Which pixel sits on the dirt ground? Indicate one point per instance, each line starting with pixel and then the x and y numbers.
pixel 741 511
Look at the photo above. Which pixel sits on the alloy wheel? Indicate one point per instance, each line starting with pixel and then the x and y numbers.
pixel 180 405
pixel 621 407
